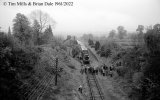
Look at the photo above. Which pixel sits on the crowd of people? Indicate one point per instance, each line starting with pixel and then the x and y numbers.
pixel 102 70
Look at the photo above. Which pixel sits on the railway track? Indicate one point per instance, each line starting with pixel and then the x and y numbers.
pixel 94 88
pixel 36 90
pixel 93 55
pixel 93 85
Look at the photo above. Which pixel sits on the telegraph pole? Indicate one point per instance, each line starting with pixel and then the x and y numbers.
pixel 56 76
pixel 55 70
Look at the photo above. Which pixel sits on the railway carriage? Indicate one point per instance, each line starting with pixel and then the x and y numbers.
pixel 84 54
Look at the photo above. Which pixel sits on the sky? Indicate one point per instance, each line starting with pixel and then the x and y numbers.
pixel 89 16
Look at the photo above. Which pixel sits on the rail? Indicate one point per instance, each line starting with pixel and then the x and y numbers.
pixel 93 84
pixel 94 88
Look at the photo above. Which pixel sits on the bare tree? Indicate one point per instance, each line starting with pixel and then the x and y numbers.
pixel 43 19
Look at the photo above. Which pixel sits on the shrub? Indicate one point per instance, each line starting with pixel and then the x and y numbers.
pixel 121 71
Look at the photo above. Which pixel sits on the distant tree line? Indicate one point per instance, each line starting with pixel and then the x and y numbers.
pixel 121 33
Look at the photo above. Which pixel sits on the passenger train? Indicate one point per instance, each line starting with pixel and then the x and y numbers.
pixel 84 54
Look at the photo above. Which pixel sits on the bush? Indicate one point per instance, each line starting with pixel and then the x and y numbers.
pixel 108 48
pixel 121 71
